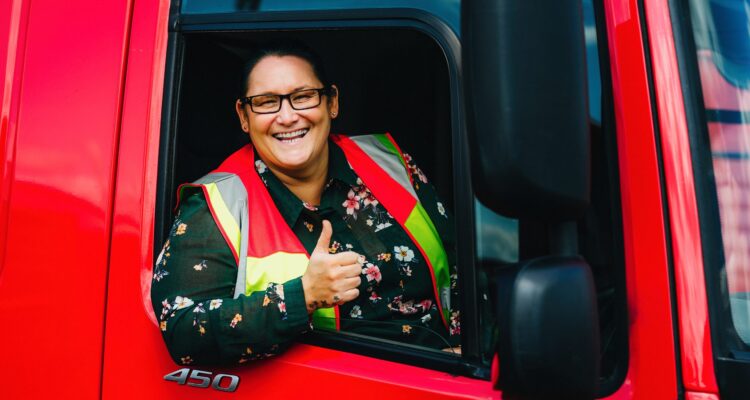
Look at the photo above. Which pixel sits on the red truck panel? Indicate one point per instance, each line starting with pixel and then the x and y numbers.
pixel 652 373
pixel 57 181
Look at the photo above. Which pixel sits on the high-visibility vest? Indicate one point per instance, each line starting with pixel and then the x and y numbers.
pixel 267 250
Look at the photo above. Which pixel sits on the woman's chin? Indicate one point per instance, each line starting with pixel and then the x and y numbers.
pixel 292 161
pixel 294 157
pixel 291 154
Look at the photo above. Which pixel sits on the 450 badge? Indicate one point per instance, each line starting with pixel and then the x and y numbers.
pixel 203 379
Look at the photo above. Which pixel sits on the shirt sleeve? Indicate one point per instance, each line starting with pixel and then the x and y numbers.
pixel 192 293
pixel 444 224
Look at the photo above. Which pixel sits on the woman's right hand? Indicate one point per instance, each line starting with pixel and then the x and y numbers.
pixel 330 279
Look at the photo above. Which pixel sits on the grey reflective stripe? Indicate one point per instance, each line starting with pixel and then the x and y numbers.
pixel 235 198
pixel 445 297
pixel 386 160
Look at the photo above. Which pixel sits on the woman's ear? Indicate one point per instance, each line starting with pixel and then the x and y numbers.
pixel 242 115
pixel 333 101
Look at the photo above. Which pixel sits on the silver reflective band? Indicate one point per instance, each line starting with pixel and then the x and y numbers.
pixel 386 160
pixel 234 193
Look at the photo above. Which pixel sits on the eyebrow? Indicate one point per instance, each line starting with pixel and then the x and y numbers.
pixel 298 88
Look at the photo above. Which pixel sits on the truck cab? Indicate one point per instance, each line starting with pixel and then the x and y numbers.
pixel 592 152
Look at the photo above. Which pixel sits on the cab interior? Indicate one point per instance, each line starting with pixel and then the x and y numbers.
pixel 403 90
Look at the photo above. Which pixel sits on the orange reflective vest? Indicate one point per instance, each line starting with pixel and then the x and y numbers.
pixel 267 250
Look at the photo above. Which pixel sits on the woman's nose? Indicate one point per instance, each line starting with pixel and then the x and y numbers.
pixel 286 113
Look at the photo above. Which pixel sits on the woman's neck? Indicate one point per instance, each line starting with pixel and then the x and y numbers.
pixel 308 184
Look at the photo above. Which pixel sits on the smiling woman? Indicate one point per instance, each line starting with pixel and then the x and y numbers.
pixel 291 137
pixel 303 226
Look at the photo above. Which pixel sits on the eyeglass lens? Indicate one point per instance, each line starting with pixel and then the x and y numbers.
pixel 300 100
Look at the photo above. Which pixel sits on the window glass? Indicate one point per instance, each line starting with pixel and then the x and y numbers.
pixel 497 236
pixel 722 35
pixel 592 63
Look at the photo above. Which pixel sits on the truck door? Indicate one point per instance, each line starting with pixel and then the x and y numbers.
pixel 62 67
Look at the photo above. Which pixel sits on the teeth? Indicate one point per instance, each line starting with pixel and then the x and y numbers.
pixel 290 135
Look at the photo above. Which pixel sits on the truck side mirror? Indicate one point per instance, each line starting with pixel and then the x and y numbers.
pixel 527 106
pixel 548 329
pixel 528 125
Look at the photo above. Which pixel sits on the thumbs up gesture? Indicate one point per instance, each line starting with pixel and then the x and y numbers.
pixel 330 279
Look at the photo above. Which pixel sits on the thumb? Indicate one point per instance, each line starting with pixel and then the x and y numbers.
pixel 324 241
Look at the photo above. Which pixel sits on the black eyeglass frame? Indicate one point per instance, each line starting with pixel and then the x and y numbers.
pixel 324 91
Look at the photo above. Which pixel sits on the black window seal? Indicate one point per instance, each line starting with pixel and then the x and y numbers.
pixel 317 19
pixel 472 362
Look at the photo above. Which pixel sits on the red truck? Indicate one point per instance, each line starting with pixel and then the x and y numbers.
pixel 595 154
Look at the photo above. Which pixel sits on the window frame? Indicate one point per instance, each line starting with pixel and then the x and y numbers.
pixel 472 362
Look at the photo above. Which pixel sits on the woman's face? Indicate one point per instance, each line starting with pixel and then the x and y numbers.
pixel 290 141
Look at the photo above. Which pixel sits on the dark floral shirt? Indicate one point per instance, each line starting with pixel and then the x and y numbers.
pixel 195 275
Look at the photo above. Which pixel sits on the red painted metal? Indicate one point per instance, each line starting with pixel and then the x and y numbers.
pixel 695 334
pixel 13 20
pixel 652 372
pixel 58 173
pixel 700 396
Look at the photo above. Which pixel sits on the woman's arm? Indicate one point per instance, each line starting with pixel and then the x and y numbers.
pixel 192 293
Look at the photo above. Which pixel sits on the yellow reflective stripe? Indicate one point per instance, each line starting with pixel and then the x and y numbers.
pixel 226 220
pixel 324 318
pixel 278 268
pixel 420 226
pixel 281 267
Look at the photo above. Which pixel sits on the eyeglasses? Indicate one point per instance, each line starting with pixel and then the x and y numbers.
pixel 299 100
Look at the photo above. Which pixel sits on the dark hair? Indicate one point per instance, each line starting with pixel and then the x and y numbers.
pixel 282 48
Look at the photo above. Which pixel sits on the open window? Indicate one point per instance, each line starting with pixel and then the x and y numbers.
pixel 410 90
pixel 406 93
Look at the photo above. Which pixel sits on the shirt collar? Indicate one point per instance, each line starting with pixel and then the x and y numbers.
pixel 338 166
pixel 286 202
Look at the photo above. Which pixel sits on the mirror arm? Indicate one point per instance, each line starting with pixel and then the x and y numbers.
pixel 563 238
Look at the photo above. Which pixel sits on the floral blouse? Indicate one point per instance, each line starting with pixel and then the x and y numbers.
pixel 195 274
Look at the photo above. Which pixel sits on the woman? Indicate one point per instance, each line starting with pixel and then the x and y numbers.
pixel 303 226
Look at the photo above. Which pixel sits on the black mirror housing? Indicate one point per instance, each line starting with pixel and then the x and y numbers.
pixel 527 106
pixel 548 330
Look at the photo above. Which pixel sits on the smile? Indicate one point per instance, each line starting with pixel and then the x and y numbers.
pixel 291 137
